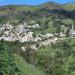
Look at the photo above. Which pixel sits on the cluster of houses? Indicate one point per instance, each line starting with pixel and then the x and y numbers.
pixel 8 32
pixel 22 32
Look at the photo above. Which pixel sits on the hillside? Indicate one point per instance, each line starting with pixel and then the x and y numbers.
pixel 37 40
pixel 69 6
pixel 26 69
pixel 48 5
pixel 33 12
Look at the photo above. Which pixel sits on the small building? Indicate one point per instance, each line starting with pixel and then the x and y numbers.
pixel 72 31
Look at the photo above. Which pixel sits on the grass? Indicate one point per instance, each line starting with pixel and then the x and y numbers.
pixel 69 6
pixel 27 8
pixel 26 68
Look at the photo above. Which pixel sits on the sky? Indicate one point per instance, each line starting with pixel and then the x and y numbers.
pixel 32 2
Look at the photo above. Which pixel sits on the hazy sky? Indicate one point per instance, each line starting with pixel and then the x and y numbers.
pixel 32 2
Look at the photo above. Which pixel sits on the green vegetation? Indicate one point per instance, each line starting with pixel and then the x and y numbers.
pixel 69 6
pixel 26 68
pixel 57 59
pixel 22 13
pixel 14 64
pixel 7 65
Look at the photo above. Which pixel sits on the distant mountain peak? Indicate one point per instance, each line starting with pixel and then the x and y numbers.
pixel 50 5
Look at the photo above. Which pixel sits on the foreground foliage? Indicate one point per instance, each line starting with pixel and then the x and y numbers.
pixel 13 64
pixel 7 65
pixel 58 59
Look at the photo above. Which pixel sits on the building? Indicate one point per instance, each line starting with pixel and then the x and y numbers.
pixel 72 31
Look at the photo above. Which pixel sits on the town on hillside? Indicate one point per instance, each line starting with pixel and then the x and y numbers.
pixel 23 33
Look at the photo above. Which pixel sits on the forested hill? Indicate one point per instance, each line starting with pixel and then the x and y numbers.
pixel 48 5
pixel 27 12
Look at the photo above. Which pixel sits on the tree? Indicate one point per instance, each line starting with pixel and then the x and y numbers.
pixel 7 65
pixel 68 33
pixel 57 25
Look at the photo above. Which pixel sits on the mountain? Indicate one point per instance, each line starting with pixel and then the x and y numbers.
pixel 69 6
pixel 28 12
pixel 50 5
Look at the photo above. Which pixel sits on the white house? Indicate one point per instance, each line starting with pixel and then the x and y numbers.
pixel 72 31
